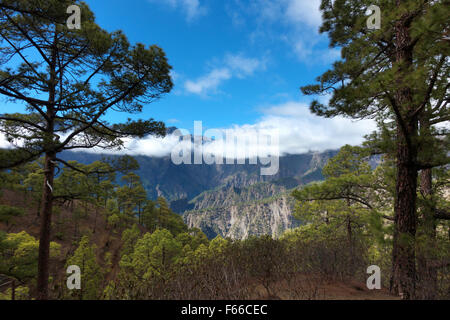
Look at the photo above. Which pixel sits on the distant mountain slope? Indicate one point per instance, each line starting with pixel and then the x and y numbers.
pixel 163 178
pixel 227 200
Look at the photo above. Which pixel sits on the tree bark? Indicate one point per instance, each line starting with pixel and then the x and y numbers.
pixel 404 270
pixel 49 175
pixel 403 278
pixel 426 271
pixel 350 239
pixel 350 245
pixel 46 220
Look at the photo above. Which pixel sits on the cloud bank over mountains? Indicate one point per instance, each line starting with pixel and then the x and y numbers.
pixel 292 124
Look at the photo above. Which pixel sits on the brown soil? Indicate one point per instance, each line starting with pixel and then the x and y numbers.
pixel 310 287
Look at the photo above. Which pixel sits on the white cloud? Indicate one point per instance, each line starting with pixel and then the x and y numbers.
pixel 304 12
pixel 232 66
pixel 173 120
pixel 149 146
pixel 305 19
pixel 296 128
pixel 209 82
pixel 175 75
pixel 299 12
pixel 301 131
pixel 152 146
pixel 243 67
pixel 192 8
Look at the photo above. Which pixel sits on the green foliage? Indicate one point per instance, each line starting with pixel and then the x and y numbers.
pixel 352 204
pixel 92 274
pixel 193 238
pixel 154 252
pixel 69 79
pixel 21 293
pixel 159 215
pixel 363 82
pixel 19 255
pixel 7 213
pixel 132 195
pixel 350 191
pixel 129 238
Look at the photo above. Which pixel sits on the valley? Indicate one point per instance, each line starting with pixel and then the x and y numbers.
pixel 228 200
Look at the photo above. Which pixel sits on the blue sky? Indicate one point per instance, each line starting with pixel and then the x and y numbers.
pixel 230 58
pixel 236 64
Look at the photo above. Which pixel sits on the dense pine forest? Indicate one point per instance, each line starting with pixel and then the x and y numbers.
pixel 382 203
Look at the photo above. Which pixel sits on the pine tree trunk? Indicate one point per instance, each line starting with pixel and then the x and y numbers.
pixel 403 268
pixel 49 175
pixel 350 233
pixel 403 278
pixel 350 239
pixel 427 273
pixel 46 220
pixel 139 213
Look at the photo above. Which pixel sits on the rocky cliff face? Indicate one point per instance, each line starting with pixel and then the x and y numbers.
pixel 233 213
pixel 261 208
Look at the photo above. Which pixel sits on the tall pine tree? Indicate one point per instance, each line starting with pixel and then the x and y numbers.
pixel 69 79
pixel 394 72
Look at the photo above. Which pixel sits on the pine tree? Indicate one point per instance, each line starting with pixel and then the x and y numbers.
pixel 91 272
pixel 69 79
pixel 394 72
pixel 132 195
